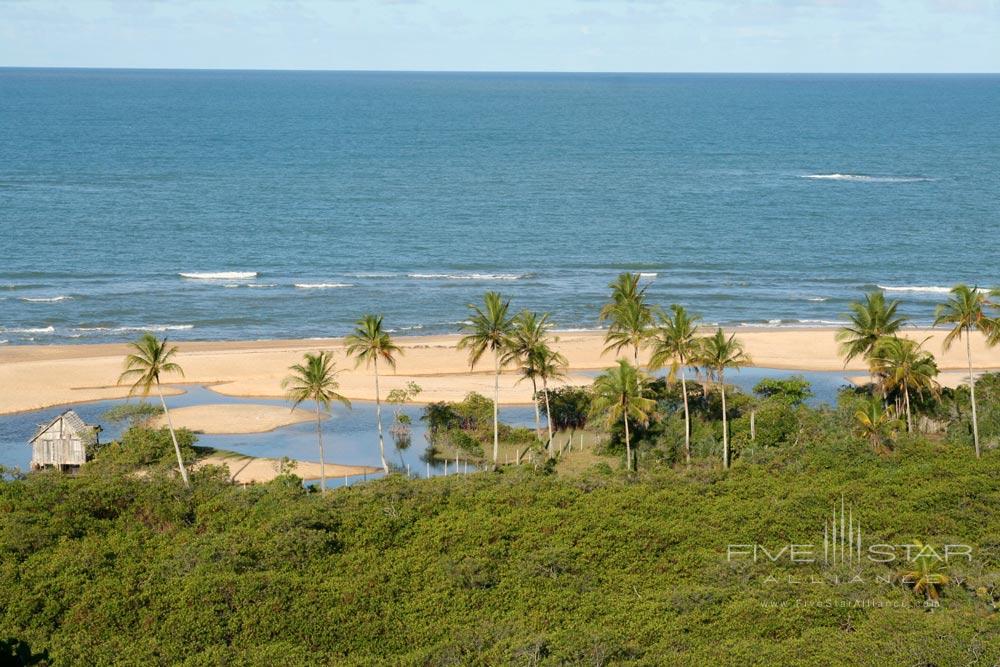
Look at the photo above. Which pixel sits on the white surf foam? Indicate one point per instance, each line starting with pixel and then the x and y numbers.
pixel 151 327
pixel 158 327
pixel 29 330
pixel 220 275
pixel 577 329
pixel 466 276
pixel 817 298
pixel 648 274
pixel 863 178
pixel 824 322
pixel 4 341
pixel 792 323
pixel 45 299
pixel 911 288
pixel 322 285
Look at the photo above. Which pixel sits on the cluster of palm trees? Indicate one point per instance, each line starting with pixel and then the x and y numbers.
pixel 672 338
pixel 523 340
pixel 900 367
pixel 316 378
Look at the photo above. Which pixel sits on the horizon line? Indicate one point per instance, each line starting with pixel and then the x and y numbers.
pixel 498 71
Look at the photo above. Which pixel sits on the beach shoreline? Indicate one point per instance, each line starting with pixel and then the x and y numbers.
pixel 39 376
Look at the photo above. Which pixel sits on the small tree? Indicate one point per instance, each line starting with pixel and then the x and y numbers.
pixel 718 353
pixel 315 380
pixel 135 414
pixel 622 393
pixel 964 311
pixel 794 390
pixel 371 343
pixel 397 398
pixel 674 344
pixel 870 320
pixel 926 576
pixel 489 329
pixel 151 358
pixel 877 424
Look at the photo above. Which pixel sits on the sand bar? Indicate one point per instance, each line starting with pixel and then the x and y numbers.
pixel 37 376
pixel 229 419
pixel 250 469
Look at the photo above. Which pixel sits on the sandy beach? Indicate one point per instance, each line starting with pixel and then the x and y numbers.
pixel 34 377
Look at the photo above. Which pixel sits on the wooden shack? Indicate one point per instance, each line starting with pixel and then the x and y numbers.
pixel 63 442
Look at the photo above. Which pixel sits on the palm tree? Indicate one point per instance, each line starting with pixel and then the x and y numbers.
pixel 489 328
pixel 548 365
pixel 904 366
pixel 675 342
pixel 718 353
pixel 877 424
pixel 529 331
pixel 871 320
pixel 926 575
pixel 630 325
pixel 368 343
pixel 964 309
pixel 624 288
pixel 315 380
pixel 150 358
pixel 620 393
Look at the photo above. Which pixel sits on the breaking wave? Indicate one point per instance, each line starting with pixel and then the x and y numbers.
pixel 922 289
pixel 151 327
pixel 806 323
pixel 45 299
pixel 322 285
pixel 29 330
pixel 863 178
pixel 220 275
pixel 468 276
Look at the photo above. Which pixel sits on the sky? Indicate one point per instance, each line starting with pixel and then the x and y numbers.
pixel 507 35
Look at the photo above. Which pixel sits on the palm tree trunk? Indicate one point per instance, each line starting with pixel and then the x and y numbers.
pixel 687 419
pixel 909 418
pixel 322 459
pixel 972 393
pixel 496 407
pixel 725 424
pixel 538 417
pixel 548 411
pixel 378 418
pixel 173 437
pixel 628 444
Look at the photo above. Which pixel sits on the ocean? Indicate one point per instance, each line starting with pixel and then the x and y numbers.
pixel 248 205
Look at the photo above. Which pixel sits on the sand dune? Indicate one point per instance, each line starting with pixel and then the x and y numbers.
pixel 33 377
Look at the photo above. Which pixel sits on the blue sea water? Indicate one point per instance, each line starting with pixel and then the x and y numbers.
pixel 214 204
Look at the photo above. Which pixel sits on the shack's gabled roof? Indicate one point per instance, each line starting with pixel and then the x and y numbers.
pixel 73 421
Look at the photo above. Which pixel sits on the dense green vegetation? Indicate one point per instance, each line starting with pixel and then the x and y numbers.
pixel 642 558
pixel 511 567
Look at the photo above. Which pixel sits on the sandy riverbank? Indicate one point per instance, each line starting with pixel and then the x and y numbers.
pixel 249 469
pixel 33 377
pixel 232 419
